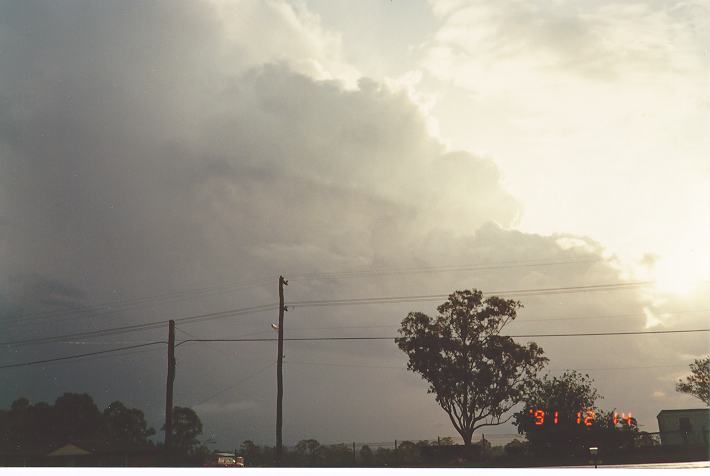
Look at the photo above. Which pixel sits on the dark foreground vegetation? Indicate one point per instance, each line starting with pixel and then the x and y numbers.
pixel 75 432
pixel 309 453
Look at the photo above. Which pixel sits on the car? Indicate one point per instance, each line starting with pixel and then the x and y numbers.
pixel 225 460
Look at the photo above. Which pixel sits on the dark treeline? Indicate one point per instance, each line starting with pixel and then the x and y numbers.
pixel 40 428
pixel 423 453
pixel 74 418
pixel 310 453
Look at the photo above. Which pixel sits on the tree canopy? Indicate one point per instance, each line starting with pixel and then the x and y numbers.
pixel 126 426
pixel 187 426
pixel 566 395
pixel 476 374
pixel 308 450
pixel 561 418
pixel 74 417
pixel 697 383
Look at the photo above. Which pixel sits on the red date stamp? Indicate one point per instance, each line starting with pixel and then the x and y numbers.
pixel 542 417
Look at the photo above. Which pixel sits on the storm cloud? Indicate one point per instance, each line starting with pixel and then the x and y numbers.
pixel 150 148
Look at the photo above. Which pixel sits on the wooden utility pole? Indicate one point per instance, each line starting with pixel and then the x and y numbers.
pixel 169 387
pixel 279 372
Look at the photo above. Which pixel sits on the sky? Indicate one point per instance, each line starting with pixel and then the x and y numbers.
pixel 161 160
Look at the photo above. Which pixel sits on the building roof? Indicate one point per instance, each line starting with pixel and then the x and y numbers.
pixel 69 450
pixel 688 410
pixel 94 446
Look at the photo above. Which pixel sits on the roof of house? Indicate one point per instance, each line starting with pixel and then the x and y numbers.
pixel 69 450
pixel 74 447
pixel 689 410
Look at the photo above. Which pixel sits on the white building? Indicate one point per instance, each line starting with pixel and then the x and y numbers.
pixel 684 427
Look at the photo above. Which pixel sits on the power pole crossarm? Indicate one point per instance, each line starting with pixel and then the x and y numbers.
pixel 279 373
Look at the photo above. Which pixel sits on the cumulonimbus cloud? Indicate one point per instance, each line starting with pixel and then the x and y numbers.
pixel 136 162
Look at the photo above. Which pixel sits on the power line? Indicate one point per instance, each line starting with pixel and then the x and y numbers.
pixel 130 304
pixel 436 297
pixel 78 356
pixel 98 342
pixel 139 327
pixel 610 316
pixel 166 298
pixel 436 269
pixel 220 392
pixel 155 325
pixel 636 367
pixel 79 335
pixel 355 365
pixel 358 338
pixel 325 303
pixel 240 335
pixel 627 316
pixel 209 346
pixel 113 355
pixel 403 367
pixel 595 334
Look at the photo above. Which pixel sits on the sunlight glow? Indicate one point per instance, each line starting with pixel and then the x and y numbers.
pixel 682 272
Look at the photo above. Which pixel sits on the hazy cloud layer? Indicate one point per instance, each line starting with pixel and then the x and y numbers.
pixel 149 148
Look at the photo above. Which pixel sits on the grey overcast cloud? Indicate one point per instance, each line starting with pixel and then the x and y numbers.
pixel 167 159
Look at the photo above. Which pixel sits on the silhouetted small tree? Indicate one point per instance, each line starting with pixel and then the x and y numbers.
pixel 251 453
pixel 515 448
pixel 385 457
pixel 567 394
pixel 409 453
pixel 187 426
pixel 308 450
pixel 367 457
pixel 337 455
